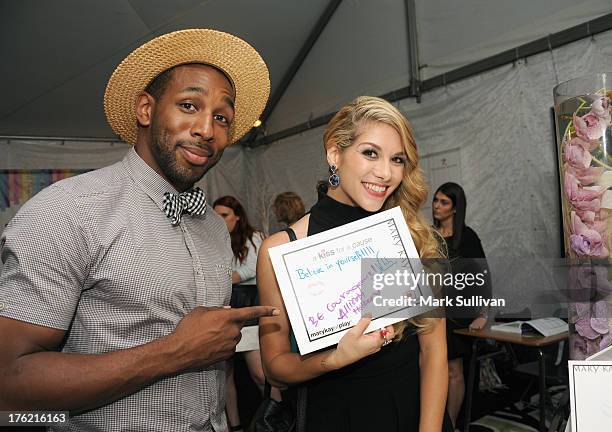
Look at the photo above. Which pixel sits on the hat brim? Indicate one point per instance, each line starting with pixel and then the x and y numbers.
pixel 236 58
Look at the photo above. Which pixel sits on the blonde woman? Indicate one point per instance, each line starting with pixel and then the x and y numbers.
pixel 364 383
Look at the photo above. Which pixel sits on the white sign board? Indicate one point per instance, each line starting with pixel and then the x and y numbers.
pixel 321 278
pixel 591 400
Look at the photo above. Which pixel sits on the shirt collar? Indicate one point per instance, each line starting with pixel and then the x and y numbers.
pixel 147 179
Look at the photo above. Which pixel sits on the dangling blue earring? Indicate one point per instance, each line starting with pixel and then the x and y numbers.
pixel 334 178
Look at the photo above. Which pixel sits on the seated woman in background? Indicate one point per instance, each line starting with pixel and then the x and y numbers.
pixel 288 208
pixel 246 241
pixel 365 383
pixel 449 206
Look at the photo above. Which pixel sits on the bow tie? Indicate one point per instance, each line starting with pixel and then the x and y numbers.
pixel 191 202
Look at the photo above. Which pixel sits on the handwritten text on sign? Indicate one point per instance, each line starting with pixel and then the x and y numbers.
pixel 321 278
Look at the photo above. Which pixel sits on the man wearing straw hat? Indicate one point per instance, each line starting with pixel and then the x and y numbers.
pixel 114 282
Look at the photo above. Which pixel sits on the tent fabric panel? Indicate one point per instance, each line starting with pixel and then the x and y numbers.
pixel 363 50
pixel 455 34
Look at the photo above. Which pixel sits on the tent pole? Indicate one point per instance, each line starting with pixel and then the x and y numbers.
pixel 320 25
pixel 413 50
pixel 547 43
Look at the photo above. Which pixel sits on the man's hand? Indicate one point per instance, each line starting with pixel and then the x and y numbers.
pixel 54 380
pixel 209 335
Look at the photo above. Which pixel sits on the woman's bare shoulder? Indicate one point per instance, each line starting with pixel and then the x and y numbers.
pixel 275 239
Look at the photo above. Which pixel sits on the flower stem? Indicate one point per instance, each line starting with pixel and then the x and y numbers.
pixel 571 123
pixel 603 164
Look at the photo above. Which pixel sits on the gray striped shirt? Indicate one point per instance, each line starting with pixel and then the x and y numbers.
pixel 96 256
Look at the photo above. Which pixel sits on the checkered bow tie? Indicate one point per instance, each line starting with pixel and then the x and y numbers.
pixel 191 202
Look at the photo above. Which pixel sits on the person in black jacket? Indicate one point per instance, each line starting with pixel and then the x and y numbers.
pixel 466 255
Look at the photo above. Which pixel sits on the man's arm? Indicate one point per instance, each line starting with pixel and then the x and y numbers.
pixel 34 376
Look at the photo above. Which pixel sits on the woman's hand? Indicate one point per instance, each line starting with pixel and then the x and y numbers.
pixel 356 345
pixel 479 323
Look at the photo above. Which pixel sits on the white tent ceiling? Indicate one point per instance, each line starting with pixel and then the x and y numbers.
pixel 55 56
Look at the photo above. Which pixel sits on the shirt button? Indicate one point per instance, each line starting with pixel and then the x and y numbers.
pixel 2 306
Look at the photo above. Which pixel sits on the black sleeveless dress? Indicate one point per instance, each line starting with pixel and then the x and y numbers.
pixel 378 393
pixel 469 257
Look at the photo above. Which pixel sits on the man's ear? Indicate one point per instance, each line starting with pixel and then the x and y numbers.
pixel 333 155
pixel 144 109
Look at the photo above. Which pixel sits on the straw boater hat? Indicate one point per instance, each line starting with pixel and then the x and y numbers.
pixel 237 59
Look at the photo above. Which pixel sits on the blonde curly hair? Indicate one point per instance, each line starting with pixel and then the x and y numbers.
pixel 342 130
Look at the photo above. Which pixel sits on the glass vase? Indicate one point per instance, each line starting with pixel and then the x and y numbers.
pixel 584 142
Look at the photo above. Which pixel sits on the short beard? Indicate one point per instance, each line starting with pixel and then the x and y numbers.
pixel 165 157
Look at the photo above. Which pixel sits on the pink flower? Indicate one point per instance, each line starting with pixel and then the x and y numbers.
pixel 577 347
pixel 581 281
pixel 591 192
pixel 603 285
pixel 584 329
pixel 582 198
pixel 593 205
pixel 600 325
pixel 599 226
pixel 571 185
pixel 583 309
pixel 579 285
pixel 585 176
pixel 588 145
pixel 588 217
pixel 576 156
pixel 599 320
pixel 585 240
pixel 589 126
pixel 601 108
pixel 591 320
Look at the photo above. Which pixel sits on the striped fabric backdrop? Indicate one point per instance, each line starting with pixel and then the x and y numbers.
pixel 18 186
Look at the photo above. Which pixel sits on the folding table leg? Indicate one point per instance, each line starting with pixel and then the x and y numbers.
pixel 542 363
pixel 470 387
